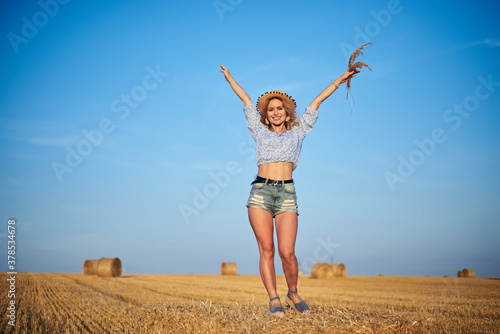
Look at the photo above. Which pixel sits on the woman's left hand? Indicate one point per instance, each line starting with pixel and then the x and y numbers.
pixel 347 74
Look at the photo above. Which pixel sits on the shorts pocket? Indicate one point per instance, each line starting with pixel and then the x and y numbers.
pixel 257 185
pixel 289 188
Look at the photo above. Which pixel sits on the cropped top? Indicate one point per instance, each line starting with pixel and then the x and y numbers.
pixel 283 146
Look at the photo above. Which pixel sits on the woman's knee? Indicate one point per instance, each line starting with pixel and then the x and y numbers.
pixel 267 251
pixel 287 255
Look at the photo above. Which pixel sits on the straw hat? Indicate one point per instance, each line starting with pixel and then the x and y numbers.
pixel 266 97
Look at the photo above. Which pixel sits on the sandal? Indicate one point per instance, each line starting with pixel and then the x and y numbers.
pixel 278 311
pixel 299 307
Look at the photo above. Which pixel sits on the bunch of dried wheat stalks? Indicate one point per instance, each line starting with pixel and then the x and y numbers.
pixel 352 66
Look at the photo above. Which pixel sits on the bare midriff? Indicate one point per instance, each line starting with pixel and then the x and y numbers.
pixel 276 170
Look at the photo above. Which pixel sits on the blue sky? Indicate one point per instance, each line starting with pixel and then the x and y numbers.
pixel 121 138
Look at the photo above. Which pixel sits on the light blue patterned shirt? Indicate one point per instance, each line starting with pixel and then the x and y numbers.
pixel 283 146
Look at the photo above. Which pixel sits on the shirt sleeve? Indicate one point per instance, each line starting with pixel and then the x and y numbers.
pixel 253 119
pixel 307 120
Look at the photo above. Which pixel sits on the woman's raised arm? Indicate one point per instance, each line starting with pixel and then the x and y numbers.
pixel 237 88
pixel 330 89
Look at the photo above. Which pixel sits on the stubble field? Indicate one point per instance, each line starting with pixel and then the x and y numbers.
pixel 75 303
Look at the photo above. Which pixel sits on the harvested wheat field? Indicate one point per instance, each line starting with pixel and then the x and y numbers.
pixel 77 303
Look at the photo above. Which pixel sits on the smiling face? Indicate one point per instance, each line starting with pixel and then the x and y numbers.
pixel 276 113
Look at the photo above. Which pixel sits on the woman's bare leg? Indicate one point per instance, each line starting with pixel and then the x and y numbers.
pixel 286 230
pixel 262 225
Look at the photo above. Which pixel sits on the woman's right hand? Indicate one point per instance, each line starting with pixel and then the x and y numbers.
pixel 236 88
pixel 224 70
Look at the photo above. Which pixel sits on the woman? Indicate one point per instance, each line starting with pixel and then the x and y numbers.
pixel 278 135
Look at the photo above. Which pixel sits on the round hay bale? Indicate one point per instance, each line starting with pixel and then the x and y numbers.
pixel 322 271
pixel 313 268
pixel 459 273
pixel 446 276
pixel 228 268
pixel 90 267
pixel 468 273
pixel 339 270
pixel 109 267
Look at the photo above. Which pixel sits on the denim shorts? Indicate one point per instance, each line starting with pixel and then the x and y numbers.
pixel 273 197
